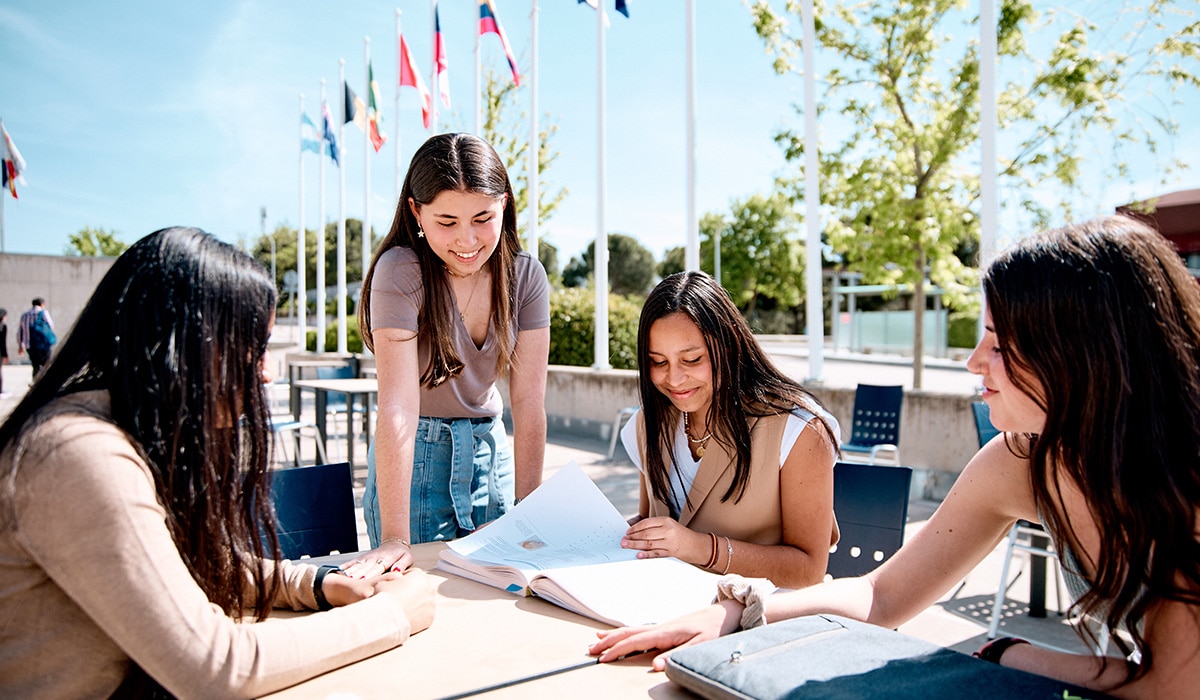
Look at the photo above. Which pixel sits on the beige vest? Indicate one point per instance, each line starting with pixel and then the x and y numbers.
pixel 757 516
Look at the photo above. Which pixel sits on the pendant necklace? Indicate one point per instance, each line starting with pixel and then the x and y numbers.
pixel 699 442
pixel 461 313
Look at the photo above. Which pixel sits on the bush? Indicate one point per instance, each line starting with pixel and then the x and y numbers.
pixel 963 331
pixel 354 341
pixel 573 328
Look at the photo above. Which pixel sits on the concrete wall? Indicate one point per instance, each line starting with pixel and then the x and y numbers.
pixel 65 282
pixel 937 431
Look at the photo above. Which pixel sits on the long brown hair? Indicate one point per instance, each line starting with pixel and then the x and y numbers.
pixel 1106 319
pixel 746 384
pixel 460 163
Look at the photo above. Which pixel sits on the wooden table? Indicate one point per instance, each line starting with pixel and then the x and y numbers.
pixel 366 388
pixel 482 636
pixel 296 369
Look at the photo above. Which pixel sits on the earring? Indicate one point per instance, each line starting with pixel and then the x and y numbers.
pixel 420 231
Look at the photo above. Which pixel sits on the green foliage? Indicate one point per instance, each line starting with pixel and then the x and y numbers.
pixel 548 256
pixel 502 123
pixel 761 255
pixel 902 184
pixel 630 266
pixel 285 255
pixel 354 341
pixel 91 242
pixel 573 328
pixel 674 260
pixel 963 331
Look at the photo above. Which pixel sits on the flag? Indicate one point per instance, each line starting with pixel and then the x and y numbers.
pixel 374 116
pixel 411 77
pixel 620 6
pixel 353 109
pixel 489 22
pixel 439 58
pixel 12 164
pixel 330 139
pixel 308 137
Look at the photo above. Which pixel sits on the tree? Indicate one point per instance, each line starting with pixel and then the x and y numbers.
pixel 902 184
pixel 501 121
pixel 630 266
pixel 761 255
pixel 91 242
pixel 285 253
pixel 674 260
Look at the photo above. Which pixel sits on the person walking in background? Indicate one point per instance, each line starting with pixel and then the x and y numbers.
pixel 449 305
pixel 3 349
pixel 736 459
pixel 138 551
pixel 35 335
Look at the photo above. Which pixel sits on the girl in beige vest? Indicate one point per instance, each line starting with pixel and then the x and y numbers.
pixel 736 459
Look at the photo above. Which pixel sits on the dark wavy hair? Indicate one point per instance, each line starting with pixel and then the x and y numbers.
pixel 459 163
pixel 746 384
pixel 175 333
pixel 1105 318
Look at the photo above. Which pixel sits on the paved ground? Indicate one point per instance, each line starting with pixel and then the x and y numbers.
pixel 958 621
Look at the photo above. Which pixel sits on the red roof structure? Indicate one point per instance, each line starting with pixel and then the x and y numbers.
pixel 1175 215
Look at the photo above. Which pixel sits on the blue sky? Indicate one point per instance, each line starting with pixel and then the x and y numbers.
pixel 157 114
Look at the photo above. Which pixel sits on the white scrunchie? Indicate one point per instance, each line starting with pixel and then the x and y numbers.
pixel 749 593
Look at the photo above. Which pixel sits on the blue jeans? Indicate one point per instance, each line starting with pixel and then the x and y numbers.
pixel 462 478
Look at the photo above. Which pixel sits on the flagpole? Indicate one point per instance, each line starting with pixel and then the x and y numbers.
pixel 301 258
pixel 814 308
pixel 366 222
pixel 399 58
pixel 531 240
pixel 341 229
pixel 320 281
pixel 2 194
pixel 692 234
pixel 601 251
pixel 434 88
pixel 478 87
pixel 987 131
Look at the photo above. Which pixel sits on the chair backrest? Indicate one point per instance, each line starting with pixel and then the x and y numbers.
pixel 876 418
pixel 871 504
pixel 335 398
pixel 983 422
pixel 314 507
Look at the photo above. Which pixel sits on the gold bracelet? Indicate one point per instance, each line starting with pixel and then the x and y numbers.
pixel 401 540
pixel 728 555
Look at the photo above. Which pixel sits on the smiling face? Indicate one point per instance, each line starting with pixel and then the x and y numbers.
pixel 1012 410
pixel 679 363
pixel 463 228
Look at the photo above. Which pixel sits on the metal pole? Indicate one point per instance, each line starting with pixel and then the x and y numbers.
pixel 693 229
pixel 601 248
pixel 814 308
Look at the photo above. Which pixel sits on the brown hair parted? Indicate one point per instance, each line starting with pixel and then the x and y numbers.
pixel 1105 318
pixel 746 383
pixel 460 163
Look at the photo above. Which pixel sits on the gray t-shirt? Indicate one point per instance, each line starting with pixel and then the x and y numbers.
pixel 396 298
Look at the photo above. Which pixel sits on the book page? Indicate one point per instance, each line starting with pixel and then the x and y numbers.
pixel 637 592
pixel 567 521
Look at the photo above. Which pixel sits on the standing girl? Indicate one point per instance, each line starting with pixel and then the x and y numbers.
pixel 449 305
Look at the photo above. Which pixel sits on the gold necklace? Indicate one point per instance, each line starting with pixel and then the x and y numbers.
pixel 699 442
pixel 461 314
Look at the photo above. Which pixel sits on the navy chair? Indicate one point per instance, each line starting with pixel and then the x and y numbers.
pixel 314 507
pixel 983 422
pixel 875 427
pixel 871 505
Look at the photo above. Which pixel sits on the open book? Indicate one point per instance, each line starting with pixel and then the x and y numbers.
pixel 563 543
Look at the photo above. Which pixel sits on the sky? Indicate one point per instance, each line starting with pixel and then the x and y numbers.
pixel 157 114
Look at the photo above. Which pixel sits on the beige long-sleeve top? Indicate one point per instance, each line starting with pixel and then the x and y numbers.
pixel 90 579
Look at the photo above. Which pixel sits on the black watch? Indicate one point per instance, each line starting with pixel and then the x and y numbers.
pixel 319 585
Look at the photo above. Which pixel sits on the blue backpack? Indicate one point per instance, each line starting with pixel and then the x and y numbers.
pixel 41 335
